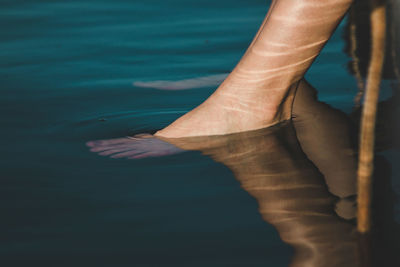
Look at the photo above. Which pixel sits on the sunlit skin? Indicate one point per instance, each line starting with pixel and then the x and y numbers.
pixel 259 91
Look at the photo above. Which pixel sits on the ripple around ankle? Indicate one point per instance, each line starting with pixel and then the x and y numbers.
pixel 197 82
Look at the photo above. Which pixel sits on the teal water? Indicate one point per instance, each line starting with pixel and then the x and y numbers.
pixel 67 74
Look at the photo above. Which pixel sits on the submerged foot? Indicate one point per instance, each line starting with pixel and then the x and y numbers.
pixel 193 129
pixel 136 147
pixel 219 115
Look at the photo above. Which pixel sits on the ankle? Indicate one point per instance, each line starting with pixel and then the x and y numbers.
pixel 266 94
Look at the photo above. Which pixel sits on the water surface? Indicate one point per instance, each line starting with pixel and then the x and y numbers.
pixel 67 73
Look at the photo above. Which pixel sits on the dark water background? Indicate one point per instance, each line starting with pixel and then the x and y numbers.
pixel 67 69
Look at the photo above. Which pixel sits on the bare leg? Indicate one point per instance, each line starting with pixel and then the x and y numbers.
pixel 257 93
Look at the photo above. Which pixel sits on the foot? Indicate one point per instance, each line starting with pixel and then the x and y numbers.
pixel 232 109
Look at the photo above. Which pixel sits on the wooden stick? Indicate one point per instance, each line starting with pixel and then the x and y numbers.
pixel 367 137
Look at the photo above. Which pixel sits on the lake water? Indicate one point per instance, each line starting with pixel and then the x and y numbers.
pixel 76 71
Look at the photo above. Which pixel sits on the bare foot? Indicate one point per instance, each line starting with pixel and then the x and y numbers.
pixel 228 111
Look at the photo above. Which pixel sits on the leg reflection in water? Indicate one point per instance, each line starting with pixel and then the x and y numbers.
pixel 302 174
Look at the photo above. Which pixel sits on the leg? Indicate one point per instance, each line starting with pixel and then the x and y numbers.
pixel 256 94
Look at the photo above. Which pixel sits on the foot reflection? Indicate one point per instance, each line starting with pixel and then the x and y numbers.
pixel 300 173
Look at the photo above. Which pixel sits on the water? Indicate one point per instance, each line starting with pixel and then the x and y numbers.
pixel 67 72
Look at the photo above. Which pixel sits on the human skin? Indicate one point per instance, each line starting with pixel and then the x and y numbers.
pixel 259 91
